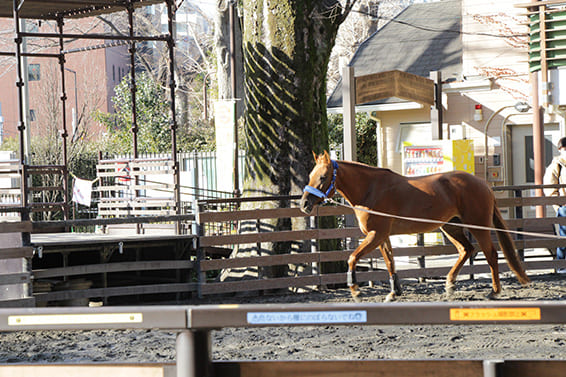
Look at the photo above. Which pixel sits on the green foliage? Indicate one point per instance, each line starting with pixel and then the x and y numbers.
pixel 197 135
pixel 10 144
pixel 194 132
pixel 153 120
pixel 152 117
pixel 82 161
pixel 365 136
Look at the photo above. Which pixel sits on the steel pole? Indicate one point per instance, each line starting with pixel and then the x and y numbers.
pixel 193 349
pixel 64 133
pixel 538 140
pixel 171 9
pixel 132 51
pixel 490 367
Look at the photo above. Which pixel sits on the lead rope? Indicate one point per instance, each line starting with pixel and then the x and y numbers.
pixel 326 198
pixel 422 220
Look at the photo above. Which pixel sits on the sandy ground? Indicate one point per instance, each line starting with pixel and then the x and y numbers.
pixel 323 342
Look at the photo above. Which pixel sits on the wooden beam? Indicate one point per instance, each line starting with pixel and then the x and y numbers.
pixel 16 252
pixel 15 227
pixel 358 368
pixel 112 267
pixel 115 291
pixel 540 3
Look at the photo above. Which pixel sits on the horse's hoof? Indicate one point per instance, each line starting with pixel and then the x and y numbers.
pixel 356 294
pixel 355 291
pixel 493 295
pixel 398 290
pixel 450 290
pixel 390 297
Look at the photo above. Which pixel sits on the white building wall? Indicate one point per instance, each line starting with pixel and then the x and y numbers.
pixel 495 46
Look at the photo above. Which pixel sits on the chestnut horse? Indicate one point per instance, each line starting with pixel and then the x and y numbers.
pixel 454 196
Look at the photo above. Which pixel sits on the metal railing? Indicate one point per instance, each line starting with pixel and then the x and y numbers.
pixel 193 325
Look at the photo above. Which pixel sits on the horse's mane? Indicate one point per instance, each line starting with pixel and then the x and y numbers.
pixel 369 168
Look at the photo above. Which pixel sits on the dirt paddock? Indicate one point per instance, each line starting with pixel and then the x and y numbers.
pixel 511 342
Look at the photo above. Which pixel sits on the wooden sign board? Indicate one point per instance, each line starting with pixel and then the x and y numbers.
pixel 398 84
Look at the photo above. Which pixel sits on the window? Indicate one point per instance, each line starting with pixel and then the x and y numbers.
pixel 33 72
pixel 374 10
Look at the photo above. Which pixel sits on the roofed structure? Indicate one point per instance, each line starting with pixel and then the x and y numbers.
pixel 60 10
pixel 52 9
pixel 423 38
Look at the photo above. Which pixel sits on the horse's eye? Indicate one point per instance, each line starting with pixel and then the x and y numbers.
pixel 323 178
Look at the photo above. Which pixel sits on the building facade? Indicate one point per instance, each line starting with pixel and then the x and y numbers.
pixel 92 70
pixel 481 49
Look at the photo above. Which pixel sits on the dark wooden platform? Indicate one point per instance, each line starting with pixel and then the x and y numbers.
pixel 78 268
pixel 53 240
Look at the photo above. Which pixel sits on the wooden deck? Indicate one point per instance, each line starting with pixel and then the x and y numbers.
pixel 53 240
pixel 78 268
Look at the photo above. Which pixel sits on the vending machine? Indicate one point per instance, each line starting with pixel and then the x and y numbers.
pixel 434 157
pixel 438 156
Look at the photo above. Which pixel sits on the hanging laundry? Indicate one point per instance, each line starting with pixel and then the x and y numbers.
pixel 82 190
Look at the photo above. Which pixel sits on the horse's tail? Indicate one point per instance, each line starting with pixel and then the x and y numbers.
pixel 508 247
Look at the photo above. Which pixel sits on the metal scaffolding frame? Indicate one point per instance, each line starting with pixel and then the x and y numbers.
pixel 59 10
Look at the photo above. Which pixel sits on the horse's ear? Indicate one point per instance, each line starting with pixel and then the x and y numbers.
pixel 326 157
pixel 314 155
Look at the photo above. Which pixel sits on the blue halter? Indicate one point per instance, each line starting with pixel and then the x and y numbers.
pixel 316 192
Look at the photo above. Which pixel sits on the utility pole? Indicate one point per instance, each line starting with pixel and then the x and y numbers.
pixel 232 21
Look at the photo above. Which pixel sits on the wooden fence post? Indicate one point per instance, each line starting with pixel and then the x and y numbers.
pixel 199 231
pixel 421 259
pixel 519 215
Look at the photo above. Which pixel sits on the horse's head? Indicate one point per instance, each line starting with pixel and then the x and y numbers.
pixel 321 182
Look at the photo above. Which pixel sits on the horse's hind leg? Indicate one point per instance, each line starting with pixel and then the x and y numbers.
pixel 368 244
pixel 387 253
pixel 465 249
pixel 484 239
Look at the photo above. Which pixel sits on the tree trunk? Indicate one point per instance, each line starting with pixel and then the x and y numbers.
pixel 222 45
pixel 287 46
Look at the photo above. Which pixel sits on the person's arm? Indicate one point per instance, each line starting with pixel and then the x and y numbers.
pixel 551 177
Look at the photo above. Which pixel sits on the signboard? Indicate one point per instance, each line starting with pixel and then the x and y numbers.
pixel 307 317
pixel 224 111
pixel 73 319
pixel 495 314
pixel 398 84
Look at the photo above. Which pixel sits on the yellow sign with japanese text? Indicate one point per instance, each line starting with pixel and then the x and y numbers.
pixel 495 314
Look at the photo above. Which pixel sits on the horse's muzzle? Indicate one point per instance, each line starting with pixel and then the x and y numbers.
pixel 306 205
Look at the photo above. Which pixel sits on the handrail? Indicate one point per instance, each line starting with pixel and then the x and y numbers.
pixel 207 317
pixel 193 324
pixel 527 187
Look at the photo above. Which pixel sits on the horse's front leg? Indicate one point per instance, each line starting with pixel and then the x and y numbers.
pixel 387 253
pixel 368 244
